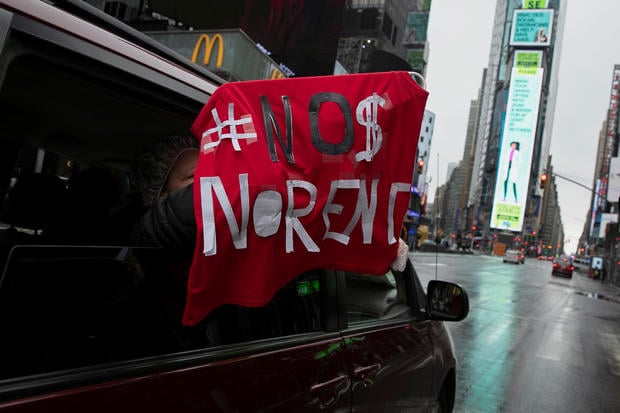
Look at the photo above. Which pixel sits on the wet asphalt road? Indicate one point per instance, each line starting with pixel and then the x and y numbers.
pixel 531 342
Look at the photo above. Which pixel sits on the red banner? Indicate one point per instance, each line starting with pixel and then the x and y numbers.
pixel 298 174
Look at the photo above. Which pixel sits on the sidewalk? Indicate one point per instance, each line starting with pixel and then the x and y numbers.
pixel 595 286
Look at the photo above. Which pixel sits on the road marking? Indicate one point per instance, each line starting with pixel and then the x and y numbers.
pixel 560 343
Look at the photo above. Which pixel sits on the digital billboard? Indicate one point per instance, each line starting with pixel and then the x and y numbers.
pixel 528 58
pixel 416 27
pixel 613 191
pixel 535 4
pixel 516 147
pixel 415 58
pixel 531 27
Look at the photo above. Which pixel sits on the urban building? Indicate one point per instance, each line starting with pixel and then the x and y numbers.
pixel 605 198
pixel 600 236
pixel 384 35
pixel 550 238
pixel 587 241
pixel 517 103
pixel 457 217
pixel 424 149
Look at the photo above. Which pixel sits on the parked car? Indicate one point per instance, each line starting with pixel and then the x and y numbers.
pixel 514 256
pixel 563 265
pixel 581 263
pixel 93 324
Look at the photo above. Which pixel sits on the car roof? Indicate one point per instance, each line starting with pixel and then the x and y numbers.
pixel 91 24
pixel 129 91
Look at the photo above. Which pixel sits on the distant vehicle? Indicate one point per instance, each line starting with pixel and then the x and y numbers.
pixel 581 263
pixel 514 256
pixel 563 265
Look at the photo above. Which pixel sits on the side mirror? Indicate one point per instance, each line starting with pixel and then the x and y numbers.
pixel 447 301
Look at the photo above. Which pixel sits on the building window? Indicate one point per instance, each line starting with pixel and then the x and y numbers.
pixel 387 26
pixel 369 19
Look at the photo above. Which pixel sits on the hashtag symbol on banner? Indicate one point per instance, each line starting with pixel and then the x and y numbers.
pixel 231 124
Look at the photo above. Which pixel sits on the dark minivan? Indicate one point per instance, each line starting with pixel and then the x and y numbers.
pixel 91 324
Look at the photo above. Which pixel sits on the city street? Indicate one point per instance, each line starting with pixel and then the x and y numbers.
pixel 531 342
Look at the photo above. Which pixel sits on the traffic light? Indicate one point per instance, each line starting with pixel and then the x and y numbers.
pixel 543 181
pixel 421 166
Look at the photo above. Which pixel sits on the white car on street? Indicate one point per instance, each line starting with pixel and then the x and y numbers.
pixel 514 256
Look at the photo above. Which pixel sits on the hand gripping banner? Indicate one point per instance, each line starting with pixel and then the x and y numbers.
pixel 298 174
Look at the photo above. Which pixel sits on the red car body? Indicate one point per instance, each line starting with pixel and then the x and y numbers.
pixel 563 265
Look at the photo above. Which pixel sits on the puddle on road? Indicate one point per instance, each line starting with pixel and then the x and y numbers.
pixel 593 296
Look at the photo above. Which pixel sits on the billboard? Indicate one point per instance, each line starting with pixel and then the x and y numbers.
pixel 415 58
pixel 301 35
pixel 535 4
pixel 416 27
pixel 594 208
pixel 230 54
pixel 516 147
pixel 613 190
pixel 528 58
pixel 531 27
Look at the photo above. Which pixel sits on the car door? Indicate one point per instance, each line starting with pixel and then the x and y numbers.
pixel 97 329
pixel 389 343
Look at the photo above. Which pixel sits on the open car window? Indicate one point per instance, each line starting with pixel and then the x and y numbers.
pixel 65 307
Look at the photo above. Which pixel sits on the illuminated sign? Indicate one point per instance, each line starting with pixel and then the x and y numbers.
pixel 535 4
pixel 528 58
pixel 531 27
pixel 416 28
pixel 209 42
pixel 613 190
pixel 276 74
pixel 515 159
pixel 415 58
pixel 228 53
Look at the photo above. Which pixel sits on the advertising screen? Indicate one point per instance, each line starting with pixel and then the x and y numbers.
pixel 528 58
pixel 613 192
pixel 415 58
pixel 515 153
pixel 531 27
pixel 415 30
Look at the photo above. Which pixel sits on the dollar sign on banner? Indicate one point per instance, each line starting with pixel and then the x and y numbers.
pixel 366 114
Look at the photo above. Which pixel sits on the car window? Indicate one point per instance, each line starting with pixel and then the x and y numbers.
pixel 370 298
pixel 64 307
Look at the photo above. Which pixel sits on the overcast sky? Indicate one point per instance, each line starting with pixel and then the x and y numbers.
pixel 459 35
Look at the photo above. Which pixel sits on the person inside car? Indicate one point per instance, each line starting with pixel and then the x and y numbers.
pixel 162 176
